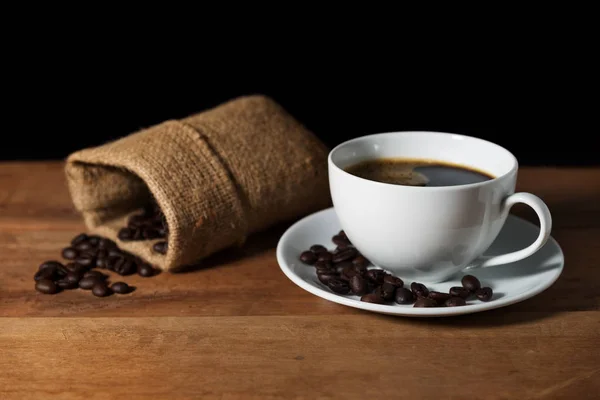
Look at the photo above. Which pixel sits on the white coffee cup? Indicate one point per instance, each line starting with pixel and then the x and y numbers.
pixel 429 233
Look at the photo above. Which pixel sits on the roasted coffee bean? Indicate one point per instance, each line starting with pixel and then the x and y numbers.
pixel 484 293
pixel 61 271
pixel 136 221
pixel 100 289
pixel 145 270
pixel 459 291
pixel 344 255
pixel 121 288
pixel 342 234
pixel 127 267
pixel 102 253
pixel 69 253
pixel 372 298
pixel 150 233
pixel 324 256
pixel 137 234
pixel 82 237
pixel 94 240
pixel 326 277
pixel 48 264
pixel 338 286
pixel 162 232
pixel 87 260
pixel 317 248
pixel 470 283
pixel 72 277
pixel 161 247
pixel 455 302
pixel 48 273
pixel 439 297
pixel 106 244
pixel 425 302
pixel 308 257
pixel 76 268
pixel 46 286
pixel 323 264
pixel 362 270
pixel 84 246
pixel 342 265
pixel 404 296
pixel 388 291
pixel 360 261
pixel 340 241
pixel 376 276
pixel 125 234
pixel 115 253
pixel 88 283
pixel 358 285
pixel 419 290
pixel 348 272
pixel 95 275
pixel 67 284
pixel 393 280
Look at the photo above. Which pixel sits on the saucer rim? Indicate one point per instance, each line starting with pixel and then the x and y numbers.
pixel 409 311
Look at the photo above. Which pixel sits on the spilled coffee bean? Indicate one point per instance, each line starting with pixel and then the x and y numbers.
pixel 308 257
pixel 455 302
pixel 419 290
pixel 470 283
pixel 404 296
pixel 425 302
pixel 46 286
pixel 459 291
pixel 484 294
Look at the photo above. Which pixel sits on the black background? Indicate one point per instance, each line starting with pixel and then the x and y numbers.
pixel 536 113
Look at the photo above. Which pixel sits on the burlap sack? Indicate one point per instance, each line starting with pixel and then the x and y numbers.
pixel 218 176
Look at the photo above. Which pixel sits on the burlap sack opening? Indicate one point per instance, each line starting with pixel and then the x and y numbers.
pixel 218 176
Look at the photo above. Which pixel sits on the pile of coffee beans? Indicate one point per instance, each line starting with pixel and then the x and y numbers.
pixel 345 271
pixel 150 224
pixel 83 255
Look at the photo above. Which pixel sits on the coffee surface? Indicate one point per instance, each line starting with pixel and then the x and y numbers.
pixel 409 172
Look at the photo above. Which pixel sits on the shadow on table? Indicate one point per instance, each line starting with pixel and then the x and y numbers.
pixel 255 244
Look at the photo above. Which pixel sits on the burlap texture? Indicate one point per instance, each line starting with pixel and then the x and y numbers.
pixel 218 176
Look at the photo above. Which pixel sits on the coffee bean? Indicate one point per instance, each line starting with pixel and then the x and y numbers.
pixel 455 302
pixel 439 297
pixel 100 289
pixel 324 256
pixel 66 284
pixel 317 248
pixel 136 221
pixel 459 291
pixel 49 264
pixel 150 233
pixel 115 253
pixel 84 247
pixel 324 278
pixel 376 276
pixel 137 234
pixel 69 253
pixel 338 286
pixel 470 283
pixel 72 277
pixel 388 291
pixel 145 270
pixel 323 264
pixel 342 265
pixel 76 268
pixel 48 273
pixel 425 302
pixel 308 257
pixel 393 280
pixel 95 275
pixel 404 296
pixel 360 261
pixel 94 240
pixel 87 260
pixel 61 271
pixel 88 282
pixel 125 234
pixel 46 286
pixel 484 293
pixel 348 272
pixel 106 244
pixel 82 237
pixel 340 241
pixel 102 253
pixel 419 290
pixel 358 285
pixel 344 255
pixel 160 247
pixel 342 234
pixel 372 298
pixel 121 288
pixel 126 267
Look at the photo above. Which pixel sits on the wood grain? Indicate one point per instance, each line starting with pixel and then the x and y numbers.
pixel 236 327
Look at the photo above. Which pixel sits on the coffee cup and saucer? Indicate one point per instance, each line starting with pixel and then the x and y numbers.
pixel 428 207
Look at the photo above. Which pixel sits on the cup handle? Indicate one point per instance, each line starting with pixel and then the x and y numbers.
pixel 545 218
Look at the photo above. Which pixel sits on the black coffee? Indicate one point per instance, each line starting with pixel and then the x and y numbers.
pixel 409 172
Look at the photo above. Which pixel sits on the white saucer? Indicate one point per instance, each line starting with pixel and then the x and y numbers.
pixel 511 283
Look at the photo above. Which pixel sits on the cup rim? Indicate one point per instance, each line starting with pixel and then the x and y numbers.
pixel 512 170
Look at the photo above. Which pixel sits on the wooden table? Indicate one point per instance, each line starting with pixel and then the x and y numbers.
pixel 238 328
